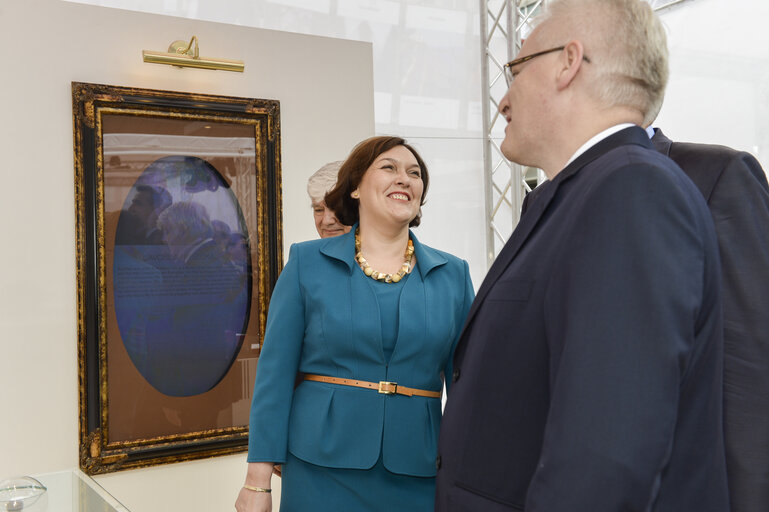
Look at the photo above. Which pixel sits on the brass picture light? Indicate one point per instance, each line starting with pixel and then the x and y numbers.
pixel 184 54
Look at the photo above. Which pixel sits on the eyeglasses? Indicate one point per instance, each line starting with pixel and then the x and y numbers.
pixel 508 68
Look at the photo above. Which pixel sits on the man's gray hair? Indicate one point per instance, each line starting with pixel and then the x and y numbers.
pixel 189 219
pixel 323 180
pixel 625 42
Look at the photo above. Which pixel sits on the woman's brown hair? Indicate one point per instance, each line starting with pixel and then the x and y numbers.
pixel 351 173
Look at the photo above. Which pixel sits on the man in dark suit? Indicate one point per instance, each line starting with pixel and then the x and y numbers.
pixel 589 373
pixel 737 193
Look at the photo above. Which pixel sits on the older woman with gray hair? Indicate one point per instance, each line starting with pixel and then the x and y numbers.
pixel 318 185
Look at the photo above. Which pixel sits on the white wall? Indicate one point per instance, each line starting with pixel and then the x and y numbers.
pixel 427 88
pixel 719 74
pixel 427 84
pixel 325 87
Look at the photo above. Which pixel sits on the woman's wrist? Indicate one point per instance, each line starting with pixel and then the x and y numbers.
pixel 259 475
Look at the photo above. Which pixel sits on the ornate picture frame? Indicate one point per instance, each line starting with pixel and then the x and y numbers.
pixel 178 203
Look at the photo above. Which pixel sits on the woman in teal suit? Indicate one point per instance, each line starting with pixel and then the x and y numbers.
pixel 369 319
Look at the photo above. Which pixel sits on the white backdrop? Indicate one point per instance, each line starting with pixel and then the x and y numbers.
pixel 47 44
pixel 427 84
pixel 719 74
pixel 426 89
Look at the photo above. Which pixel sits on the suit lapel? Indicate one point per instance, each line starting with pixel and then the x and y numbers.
pixel 364 308
pixel 412 304
pixel 537 207
pixel 513 245
pixel 364 341
pixel 341 248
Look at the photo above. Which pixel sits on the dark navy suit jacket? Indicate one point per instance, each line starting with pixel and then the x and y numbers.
pixel 588 375
pixel 737 193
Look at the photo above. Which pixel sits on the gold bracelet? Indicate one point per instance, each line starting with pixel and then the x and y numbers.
pixel 256 489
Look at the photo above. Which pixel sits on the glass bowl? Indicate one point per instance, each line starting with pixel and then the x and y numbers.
pixel 18 492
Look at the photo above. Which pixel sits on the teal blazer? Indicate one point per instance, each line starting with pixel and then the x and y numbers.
pixel 324 319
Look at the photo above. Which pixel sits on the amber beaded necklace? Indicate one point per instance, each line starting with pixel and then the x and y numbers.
pixel 381 276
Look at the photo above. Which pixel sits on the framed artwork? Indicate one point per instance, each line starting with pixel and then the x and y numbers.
pixel 178 248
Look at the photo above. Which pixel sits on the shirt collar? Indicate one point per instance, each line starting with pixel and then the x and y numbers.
pixel 650 131
pixel 596 139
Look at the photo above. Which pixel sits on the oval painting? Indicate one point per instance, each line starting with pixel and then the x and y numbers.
pixel 182 275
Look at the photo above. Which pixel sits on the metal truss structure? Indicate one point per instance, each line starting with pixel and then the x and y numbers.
pixel 504 25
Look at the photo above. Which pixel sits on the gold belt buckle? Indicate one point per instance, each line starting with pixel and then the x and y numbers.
pixel 387 388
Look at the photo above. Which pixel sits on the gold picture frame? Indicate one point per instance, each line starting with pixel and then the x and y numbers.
pixel 178 203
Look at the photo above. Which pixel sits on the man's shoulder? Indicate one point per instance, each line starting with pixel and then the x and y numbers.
pixel 647 156
pixel 702 157
pixel 709 164
pixel 714 155
pixel 627 170
pixel 712 165
pixel 630 159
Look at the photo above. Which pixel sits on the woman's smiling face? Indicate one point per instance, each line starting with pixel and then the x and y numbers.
pixel 391 189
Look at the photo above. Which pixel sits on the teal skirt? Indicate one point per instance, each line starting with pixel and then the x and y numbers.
pixel 306 487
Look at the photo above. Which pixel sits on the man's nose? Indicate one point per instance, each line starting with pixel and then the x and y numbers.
pixel 504 107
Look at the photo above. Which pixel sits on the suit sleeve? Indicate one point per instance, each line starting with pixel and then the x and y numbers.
pixel 277 368
pixel 739 205
pixel 468 294
pixel 626 299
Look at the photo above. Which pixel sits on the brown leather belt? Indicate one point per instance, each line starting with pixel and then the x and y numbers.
pixel 384 387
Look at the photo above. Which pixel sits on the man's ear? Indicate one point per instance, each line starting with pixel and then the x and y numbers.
pixel 571 59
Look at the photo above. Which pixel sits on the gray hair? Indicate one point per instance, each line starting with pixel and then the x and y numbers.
pixel 626 44
pixel 323 180
pixel 189 219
